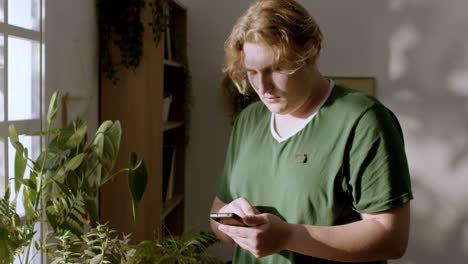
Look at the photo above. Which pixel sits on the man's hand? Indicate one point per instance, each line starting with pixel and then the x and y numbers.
pixel 266 234
pixel 241 207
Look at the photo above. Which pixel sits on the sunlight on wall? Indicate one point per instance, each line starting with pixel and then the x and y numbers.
pixel 439 186
pixel 402 41
pixel 398 5
pixel 457 80
pixel 428 89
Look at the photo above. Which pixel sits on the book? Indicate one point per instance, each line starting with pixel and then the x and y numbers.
pixel 169 156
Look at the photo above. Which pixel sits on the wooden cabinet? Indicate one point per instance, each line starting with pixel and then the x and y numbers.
pixel 136 100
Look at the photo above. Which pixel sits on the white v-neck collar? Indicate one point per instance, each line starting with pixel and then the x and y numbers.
pixel 306 121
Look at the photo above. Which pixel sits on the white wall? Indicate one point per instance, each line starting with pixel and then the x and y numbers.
pixel 71 57
pixel 417 50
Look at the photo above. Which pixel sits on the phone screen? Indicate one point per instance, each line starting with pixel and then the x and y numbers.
pixel 228 219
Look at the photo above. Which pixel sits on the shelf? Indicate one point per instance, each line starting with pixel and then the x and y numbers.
pixel 173 63
pixel 170 205
pixel 155 75
pixel 168 125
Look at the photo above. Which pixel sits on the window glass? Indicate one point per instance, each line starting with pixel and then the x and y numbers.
pixel 24 13
pixel 33 146
pixel 2 12
pixel 2 78
pixel 23 79
pixel 2 167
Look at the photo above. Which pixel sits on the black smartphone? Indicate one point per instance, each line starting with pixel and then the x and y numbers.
pixel 228 219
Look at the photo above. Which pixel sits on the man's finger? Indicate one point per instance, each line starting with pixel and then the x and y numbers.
pixel 235 231
pixel 255 220
pixel 247 207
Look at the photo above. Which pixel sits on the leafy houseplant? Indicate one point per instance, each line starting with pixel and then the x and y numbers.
pixel 63 184
pixel 180 249
pixel 121 29
pixel 100 244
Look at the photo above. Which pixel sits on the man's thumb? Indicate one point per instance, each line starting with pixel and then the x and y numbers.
pixel 255 220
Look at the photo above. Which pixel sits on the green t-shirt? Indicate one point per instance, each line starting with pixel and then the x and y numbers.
pixel 348 159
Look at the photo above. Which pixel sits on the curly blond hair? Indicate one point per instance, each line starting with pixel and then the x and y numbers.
pixel 284 25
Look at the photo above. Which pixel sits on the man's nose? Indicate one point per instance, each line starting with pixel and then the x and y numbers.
pixel 264 84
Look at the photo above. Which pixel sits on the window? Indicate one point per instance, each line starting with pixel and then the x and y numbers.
pixel 21 72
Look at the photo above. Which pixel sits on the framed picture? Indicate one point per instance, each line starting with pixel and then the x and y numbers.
pixel 364 84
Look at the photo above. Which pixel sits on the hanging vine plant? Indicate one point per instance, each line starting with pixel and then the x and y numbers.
pixel 160 10
pixel 121 30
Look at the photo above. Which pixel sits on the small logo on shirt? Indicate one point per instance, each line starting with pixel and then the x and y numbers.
pixel 300 158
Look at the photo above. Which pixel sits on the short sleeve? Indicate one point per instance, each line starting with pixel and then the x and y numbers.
pixel 378 169
pixel 222 189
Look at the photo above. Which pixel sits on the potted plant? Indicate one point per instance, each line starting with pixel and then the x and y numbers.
pixel 101 245
pixel 121 30
pixel 63 183
pixel 61 193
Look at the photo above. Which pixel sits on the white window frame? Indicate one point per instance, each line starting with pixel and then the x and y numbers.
pixel 27 125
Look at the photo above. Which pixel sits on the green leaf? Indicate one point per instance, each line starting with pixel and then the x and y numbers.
pixel 14 139
pixel 7 193
pixel 13 133
pixel 104 127
pixel 50 132
pixel 137 180
pixel 52 112
pixel 5 247
pixel 108 143
pixel 75 162
pixel 96 260
pixel 32 181
pixel 49 159
pixel 65 213
pixel 91 208
pixel 20 167
pixel 78 135
pixel 58 144
pixel 32 185
pixel 27 203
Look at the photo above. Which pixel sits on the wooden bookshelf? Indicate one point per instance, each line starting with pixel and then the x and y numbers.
pixel 133 101
pixel 168 125
pixel 172 204
pixel 173 63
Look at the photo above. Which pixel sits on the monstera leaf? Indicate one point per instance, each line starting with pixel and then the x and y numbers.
pixel 137 180
pixel 107 144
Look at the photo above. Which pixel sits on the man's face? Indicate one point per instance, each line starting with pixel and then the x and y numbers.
pixel 281 91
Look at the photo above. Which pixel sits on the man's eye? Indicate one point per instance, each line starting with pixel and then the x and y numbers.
pixel 284 71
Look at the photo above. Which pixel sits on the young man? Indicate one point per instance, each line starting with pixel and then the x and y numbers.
pixel 317 172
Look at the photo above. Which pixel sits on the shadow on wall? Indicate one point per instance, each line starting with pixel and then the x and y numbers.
pixel 428 86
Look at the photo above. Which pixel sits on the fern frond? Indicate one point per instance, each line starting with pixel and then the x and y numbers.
pixel 176 249
pixel 66 213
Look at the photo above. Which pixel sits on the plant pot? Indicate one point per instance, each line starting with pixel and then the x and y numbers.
pixel 166 107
